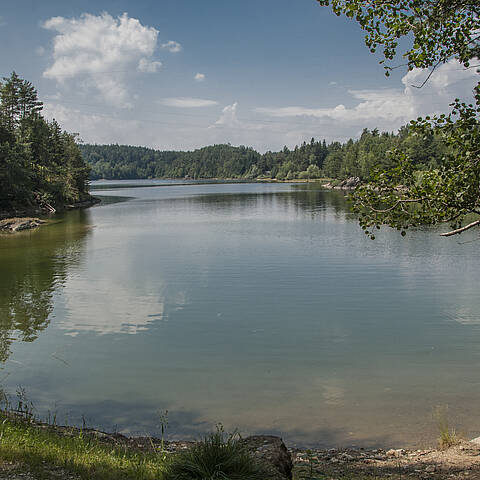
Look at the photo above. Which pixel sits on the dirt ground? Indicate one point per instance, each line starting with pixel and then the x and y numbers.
pixel 461 461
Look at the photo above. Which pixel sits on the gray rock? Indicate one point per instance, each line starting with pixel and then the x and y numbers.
pixel 272 451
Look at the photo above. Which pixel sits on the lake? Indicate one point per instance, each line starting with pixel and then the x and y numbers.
pixel 260 306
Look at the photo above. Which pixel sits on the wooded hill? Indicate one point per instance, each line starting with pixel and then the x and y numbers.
pixel 315 159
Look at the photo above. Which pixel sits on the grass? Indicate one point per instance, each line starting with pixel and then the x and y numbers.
pixel 46 452
pixel 448 437
pixel 41 451
pixel 215 457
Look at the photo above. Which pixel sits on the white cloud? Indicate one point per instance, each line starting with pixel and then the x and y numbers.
pixel 199 77
pixel 100 51
pixel 148 66
pixel 332 84
pixel 388 109
pixel 267 128
pixel 40 51
pixel 229 121
pixel 172 46
pixel 187 102
pixel 229 116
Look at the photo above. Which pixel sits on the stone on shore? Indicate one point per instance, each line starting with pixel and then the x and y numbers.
pixel 271 451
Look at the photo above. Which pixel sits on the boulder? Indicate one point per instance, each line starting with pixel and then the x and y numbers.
pixel 351 182
pixel 271 451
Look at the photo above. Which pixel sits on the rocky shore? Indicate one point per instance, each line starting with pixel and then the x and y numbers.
pixel 460 461
pixel 347 184
pixel 15 224
pixel 19 220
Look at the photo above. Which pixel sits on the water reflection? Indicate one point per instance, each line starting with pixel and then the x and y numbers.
pixel 34 265
pixel 260 306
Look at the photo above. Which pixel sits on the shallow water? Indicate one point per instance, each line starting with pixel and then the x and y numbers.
pixel 260 306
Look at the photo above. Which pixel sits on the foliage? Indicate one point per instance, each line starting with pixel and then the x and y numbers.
pixel 398 194
pixel 311 160
pixel 40 165
pixel 215 457
pixel 439 29
pixel 215 161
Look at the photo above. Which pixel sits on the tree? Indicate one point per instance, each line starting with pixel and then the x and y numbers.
pixel 406 194
pixel 40 165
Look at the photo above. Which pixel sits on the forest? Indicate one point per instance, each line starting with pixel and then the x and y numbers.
pixel 41 167
pixel 316 159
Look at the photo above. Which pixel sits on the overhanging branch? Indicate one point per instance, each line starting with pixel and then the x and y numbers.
pixel 461 229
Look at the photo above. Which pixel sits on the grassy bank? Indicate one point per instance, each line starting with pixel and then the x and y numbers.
pixel 36 451
pixel 45 453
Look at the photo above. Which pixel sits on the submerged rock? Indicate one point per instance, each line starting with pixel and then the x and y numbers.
pixel 19 224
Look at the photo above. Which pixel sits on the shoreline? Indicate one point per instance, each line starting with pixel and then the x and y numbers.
pixel 20 220
pixel 460 460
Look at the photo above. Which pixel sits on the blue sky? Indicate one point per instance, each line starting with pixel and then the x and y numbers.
pixel 180 74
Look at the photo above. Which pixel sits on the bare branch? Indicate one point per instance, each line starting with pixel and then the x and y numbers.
pixel 428 77
pixel 460 230
pixel 394 206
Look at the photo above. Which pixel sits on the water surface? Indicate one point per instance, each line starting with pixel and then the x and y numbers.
pixel 261 306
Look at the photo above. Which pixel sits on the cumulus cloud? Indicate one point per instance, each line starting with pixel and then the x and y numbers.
pixel 229 116
pixel 380 105
pixel 273 127
pixel 230 122
pixel 172 46
pixel 148 66
pixel 187 102
pixel 391 108
pixel 199 77
pixel 101 50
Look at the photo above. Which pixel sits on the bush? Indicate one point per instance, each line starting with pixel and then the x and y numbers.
pixel 215 457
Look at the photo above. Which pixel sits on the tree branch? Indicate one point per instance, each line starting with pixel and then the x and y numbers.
pixel 428 77
pixel 394 206
pixel 460 230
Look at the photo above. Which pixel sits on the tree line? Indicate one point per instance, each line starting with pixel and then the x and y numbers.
pixel 315 159
pixel 41 166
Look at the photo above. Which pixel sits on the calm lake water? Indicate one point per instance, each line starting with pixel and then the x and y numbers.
pixel 260 306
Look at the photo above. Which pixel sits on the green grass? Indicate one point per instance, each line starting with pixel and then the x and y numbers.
pixel 215 457
pixel 39 450
pixel 448 437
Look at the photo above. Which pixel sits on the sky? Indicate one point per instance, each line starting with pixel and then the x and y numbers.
pixel 182 74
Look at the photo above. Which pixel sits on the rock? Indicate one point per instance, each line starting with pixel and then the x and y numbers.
pixel 476 440
pixel 351 182
pixel 19 224
pixel 272 451
pixel 430 469
pixel 395 453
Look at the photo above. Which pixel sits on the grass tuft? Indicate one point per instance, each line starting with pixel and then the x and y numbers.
pixel 448 436
pixel 216 457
